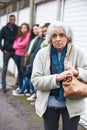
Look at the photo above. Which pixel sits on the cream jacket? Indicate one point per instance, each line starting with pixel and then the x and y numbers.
pixel 44 82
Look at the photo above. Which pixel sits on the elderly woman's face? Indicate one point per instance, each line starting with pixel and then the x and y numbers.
pixel 59 39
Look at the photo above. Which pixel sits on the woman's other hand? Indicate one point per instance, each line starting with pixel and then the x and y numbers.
pixel 68 66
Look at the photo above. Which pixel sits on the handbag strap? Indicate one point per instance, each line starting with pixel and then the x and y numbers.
pixel 69 54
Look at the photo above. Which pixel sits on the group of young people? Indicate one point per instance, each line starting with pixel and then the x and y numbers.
pixel 23 49
pixel 30 45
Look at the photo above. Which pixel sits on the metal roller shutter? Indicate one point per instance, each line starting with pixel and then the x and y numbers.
pixel 75 13
pixel 24 15
pixel 3 20
pixel 46 12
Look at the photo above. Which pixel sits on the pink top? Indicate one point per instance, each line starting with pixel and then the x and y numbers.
pixel 19 46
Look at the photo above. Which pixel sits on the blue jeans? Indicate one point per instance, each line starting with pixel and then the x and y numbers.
pixel 25 85
pixel 52 116
pixel 6 58
pixel 32 89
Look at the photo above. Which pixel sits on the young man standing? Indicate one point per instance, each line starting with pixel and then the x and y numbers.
pixel 7 34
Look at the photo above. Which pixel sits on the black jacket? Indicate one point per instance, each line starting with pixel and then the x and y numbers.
pixel 8 36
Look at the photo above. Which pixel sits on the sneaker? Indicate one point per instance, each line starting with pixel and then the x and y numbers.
pixel 17 90
pixel 32 97
pixel 28 94
pixel 15 93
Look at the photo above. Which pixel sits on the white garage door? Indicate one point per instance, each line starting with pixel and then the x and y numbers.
pixel 24 15
pixel 3 21
pixel 75 14
pixel 46 12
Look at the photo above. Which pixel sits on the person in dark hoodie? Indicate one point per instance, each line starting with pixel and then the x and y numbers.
pixel 8 33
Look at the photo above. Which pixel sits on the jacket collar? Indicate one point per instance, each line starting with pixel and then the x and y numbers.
pixel 8 25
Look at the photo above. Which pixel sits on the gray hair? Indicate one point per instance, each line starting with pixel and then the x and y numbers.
pixel 57 25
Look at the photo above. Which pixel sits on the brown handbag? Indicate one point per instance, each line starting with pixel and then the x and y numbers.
pixel 74 88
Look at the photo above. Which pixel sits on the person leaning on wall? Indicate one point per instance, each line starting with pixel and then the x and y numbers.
pixel 49 69
pixel 8 33
pixel 19 46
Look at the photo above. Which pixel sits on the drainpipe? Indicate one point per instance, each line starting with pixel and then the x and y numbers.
pixel 17 19
pixel 58 9
pixel 7 13
pixel 62 9
pixel 31 18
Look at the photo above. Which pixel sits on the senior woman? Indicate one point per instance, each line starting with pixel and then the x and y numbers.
pixel 49 70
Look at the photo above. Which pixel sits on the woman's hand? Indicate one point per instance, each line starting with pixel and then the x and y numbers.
pixel 69 72
pixel 64 75
pixel 68 66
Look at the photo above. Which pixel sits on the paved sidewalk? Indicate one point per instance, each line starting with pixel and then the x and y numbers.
pixel 16 113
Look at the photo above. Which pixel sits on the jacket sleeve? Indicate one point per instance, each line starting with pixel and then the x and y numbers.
pixel 21 44
pixel 40 80
pixel 1 37
pixel 82 65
